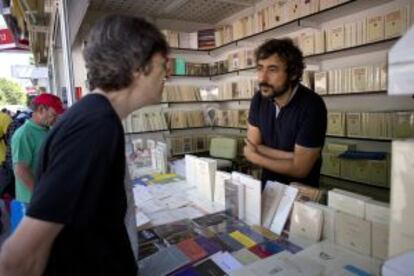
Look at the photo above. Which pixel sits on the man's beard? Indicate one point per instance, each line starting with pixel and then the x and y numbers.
pixel 275 92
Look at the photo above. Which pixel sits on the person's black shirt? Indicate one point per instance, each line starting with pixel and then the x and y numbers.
pixel 302 121
pixel 80 184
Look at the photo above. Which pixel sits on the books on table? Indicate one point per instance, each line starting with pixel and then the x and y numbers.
pixel 277 202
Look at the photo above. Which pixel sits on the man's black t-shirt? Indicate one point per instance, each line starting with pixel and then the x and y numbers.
pixel 302 121
pixel 80 184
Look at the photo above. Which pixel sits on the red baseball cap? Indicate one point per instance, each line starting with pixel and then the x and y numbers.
pixel 49 100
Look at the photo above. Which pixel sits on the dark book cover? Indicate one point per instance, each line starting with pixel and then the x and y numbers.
pixel 166 230
pixel 266 249
pixel 208 245
pixel 147 236
pixel 288 245
pixel 188 271
pixel 178 237
pixel 230 242
pixel 211 219
pixel 210 268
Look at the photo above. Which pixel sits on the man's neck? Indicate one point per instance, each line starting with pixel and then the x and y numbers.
pixel 120 101
pixel 283 100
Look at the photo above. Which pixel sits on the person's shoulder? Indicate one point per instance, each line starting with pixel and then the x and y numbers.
pixel 310 97
pixel 20 132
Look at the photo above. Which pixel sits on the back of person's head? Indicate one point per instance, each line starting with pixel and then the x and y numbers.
pixel 286 50
pixel 49 101
pixel 117 47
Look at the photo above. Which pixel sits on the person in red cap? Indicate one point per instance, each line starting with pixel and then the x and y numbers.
pixel 27 140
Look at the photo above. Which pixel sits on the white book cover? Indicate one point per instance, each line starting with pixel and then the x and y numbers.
pixel 319 42
pixel 395 22
pixel 151 146
pixel 353 233
pixel 206 170
pixel 335 258
pixel 359 78
pixel 268 265
pixel 380 239
pixel 219 187
pixel 226 262
pixel 252 200
pixel 272 195
pixel 282 264
pixel 283 210
pixel 377 211
pixel 328 229
pixel 191 169
pixel 347 202
pixel 402 204
pixel 306 221
pixel 375 28
pixel 141 219
pixel 337 38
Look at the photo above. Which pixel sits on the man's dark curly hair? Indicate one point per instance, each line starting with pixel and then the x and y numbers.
pixel 288 53
pixel 119 46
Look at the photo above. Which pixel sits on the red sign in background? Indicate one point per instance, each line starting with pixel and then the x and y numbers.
pixel 6 37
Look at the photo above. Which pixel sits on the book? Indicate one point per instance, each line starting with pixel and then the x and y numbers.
pixel 191 249
pixel 395 22
pixel 359 78
pixel 272 195
pixel 206 170
pixel 380 240
pixel 328 229
pixel 163 262
pixel 219 188
pixel 230 243
pixel 234 198
pixel 377 211
pixel 321 83
pixel 337 38
pixel 245 256
pixel 208 267
pixel 252 199
pixel 347 202
pixel 288 245
pixel 266 249
pixel 211 219
pixel 208 245
pixel 307 193
pixel 402 207
pixel 337 260
pixel 306 221
pixel 307 43
pixel 190 169
pixel 265 232
pixel 226 262
pixel 252 234
pixel 284 206
pixel 242 239
pixel 375 28
pixel 353 233
pixel 283 264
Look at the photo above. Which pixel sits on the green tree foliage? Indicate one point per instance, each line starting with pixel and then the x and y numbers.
pixel 11 93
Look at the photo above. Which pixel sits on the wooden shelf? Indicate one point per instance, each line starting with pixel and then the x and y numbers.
pixel 384 140
pixel 202 102
pixel 359 49
pixel 355 94
pixel 319 17
pixel 144 132
pixel 354 181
